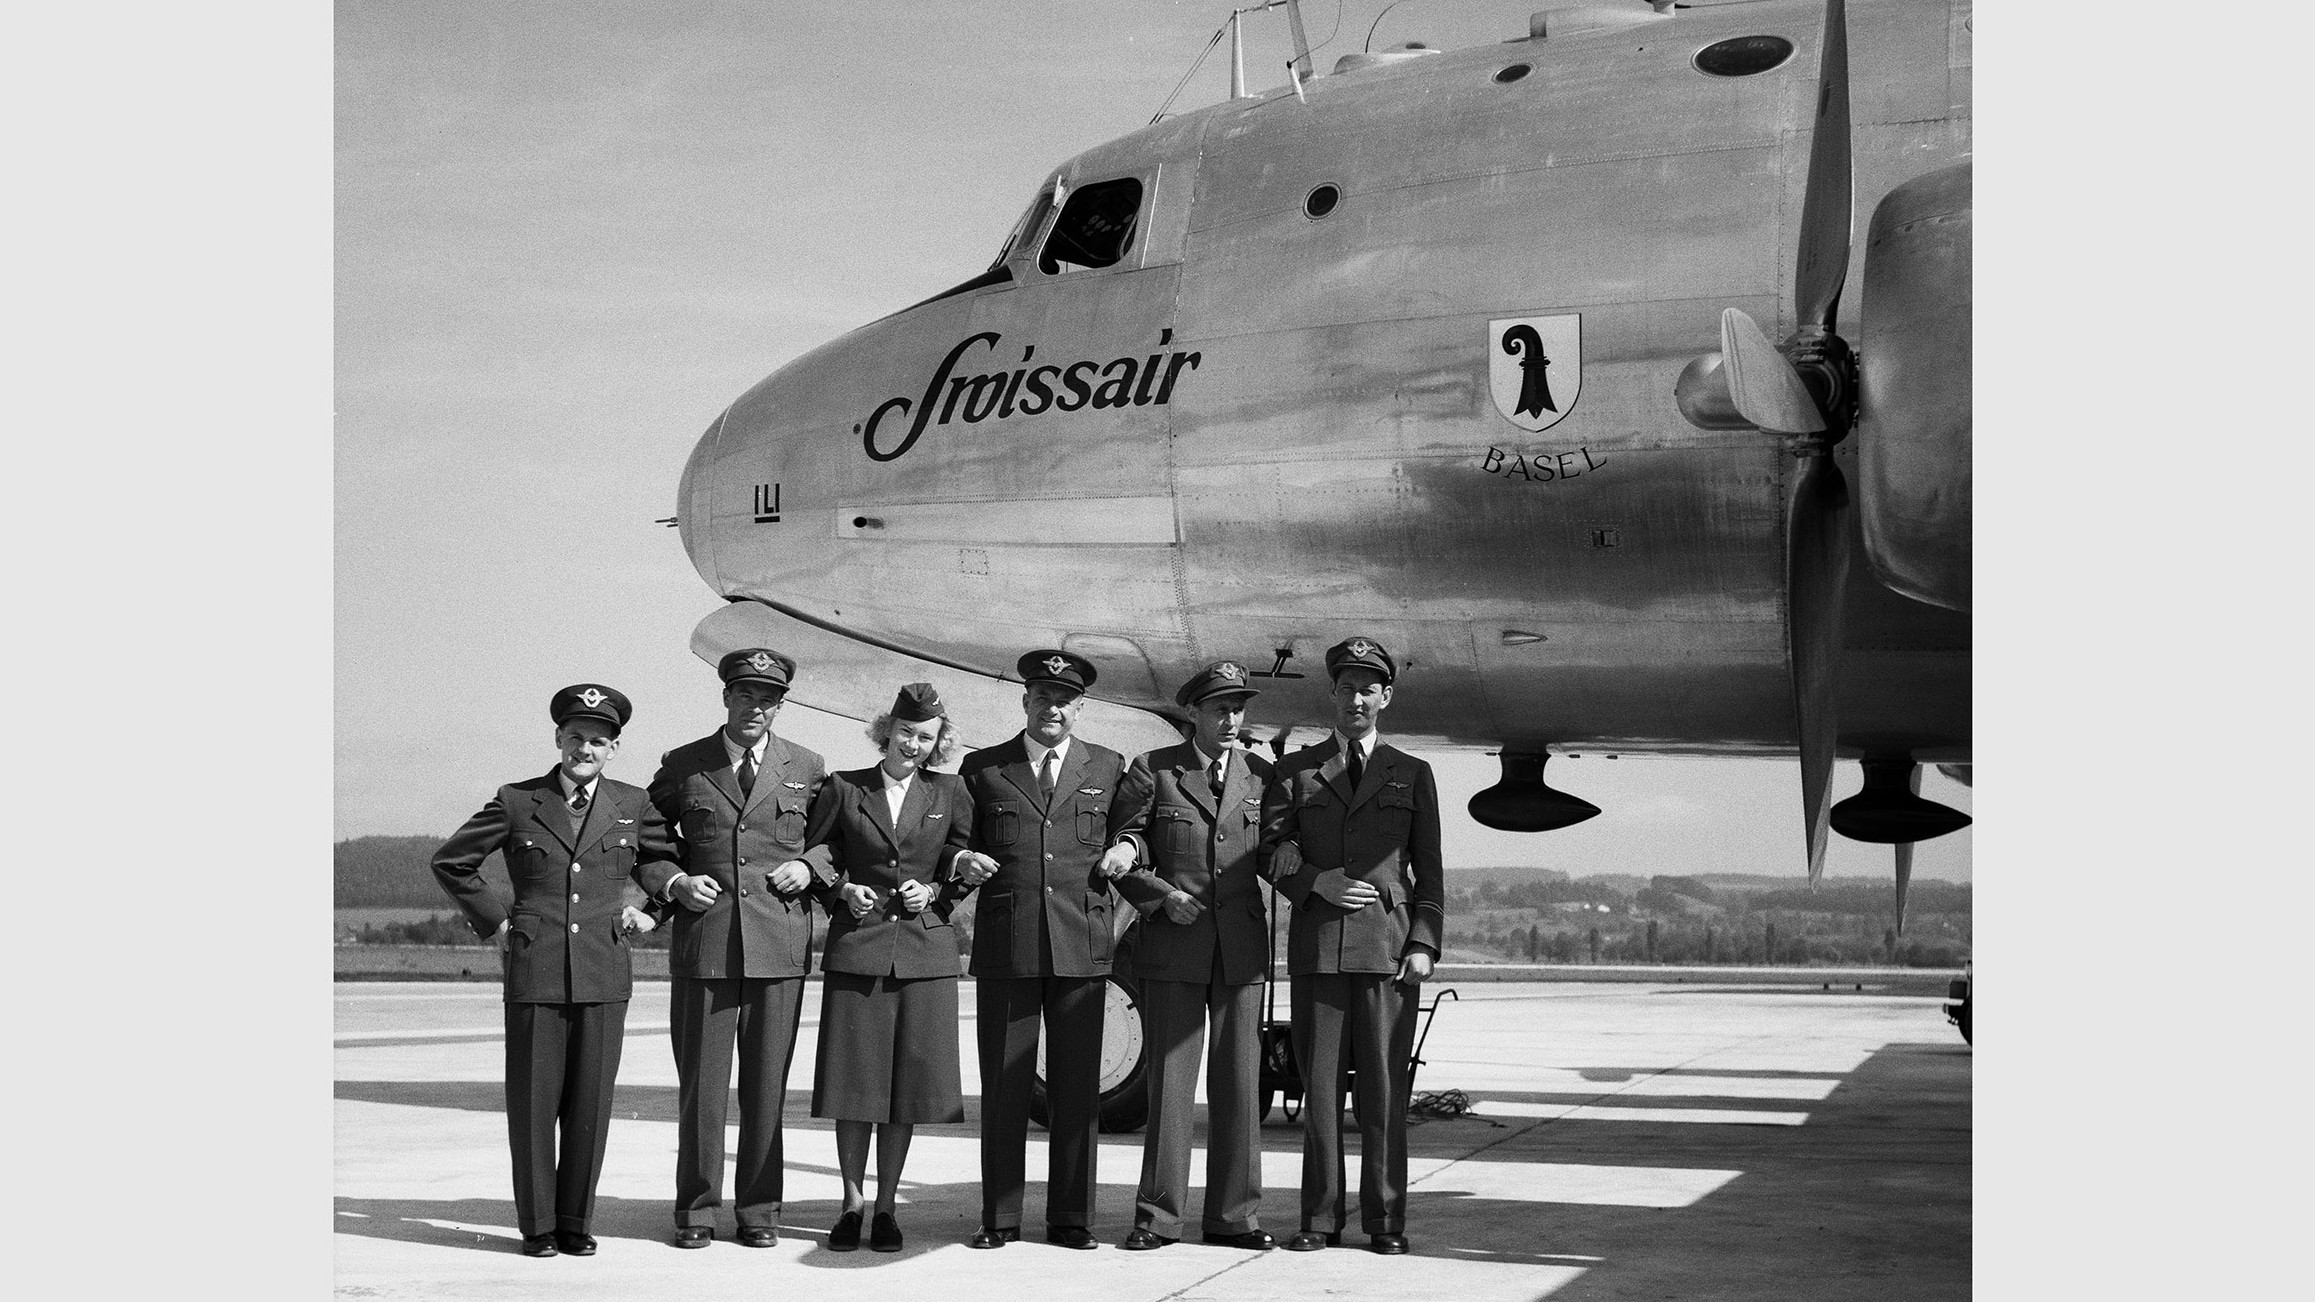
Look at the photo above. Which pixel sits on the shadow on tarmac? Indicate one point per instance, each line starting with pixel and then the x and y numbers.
pixel 1869 1198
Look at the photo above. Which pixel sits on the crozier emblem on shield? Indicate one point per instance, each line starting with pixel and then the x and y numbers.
pixel 1535 368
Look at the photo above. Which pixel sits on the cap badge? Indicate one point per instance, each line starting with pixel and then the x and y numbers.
pixel 1361 647
pixel 761 662
pixel 592 697
pixel 1055 664
pixel 1229 671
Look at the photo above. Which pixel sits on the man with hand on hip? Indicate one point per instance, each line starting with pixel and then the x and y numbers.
pixel 571 841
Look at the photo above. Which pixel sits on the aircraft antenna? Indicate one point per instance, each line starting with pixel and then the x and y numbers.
pixel 1238 75
pixel 1370 32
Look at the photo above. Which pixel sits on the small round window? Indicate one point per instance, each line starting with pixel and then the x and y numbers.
pixel 1513 73
pixel 1742 56
pixel 1321 201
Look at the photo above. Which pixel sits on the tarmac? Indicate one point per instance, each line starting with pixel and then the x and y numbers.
pixel 1644 1139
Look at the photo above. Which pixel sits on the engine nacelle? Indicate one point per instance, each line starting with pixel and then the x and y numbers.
pixel 1913 421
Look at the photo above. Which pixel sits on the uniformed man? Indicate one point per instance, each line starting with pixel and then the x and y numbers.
pixel 1045 851
pixel 1198 952
pixel 737 800
pixel 1350 834
pixel 571 841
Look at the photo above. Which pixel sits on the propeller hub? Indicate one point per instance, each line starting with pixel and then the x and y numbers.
pixel 1828 369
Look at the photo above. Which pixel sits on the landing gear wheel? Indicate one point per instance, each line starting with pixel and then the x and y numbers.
pixel 1124 1065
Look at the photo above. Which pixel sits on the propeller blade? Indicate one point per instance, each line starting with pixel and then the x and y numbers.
pixel 1816 577
pixel 1764 386
pixel 1822 261
pixel 1904 880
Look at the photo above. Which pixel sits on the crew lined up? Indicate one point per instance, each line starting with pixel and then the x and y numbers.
pixel 743 840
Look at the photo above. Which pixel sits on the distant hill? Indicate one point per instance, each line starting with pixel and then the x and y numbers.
pixel 391 871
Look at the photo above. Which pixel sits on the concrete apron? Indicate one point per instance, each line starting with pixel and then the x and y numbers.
pixel 1637 1140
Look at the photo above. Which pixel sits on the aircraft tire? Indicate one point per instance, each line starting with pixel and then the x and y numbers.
pixel 1124 1088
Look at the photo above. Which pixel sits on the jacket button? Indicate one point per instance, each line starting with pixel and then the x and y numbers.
pixel 1048 822
pixel 743 861
pixel 1048 854
pixel 574 928
pixel 574 867
pixel 743 892
pixel 1221 836
pixel 574 897
pixel 743 827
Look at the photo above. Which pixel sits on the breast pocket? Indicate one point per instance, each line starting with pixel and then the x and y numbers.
pixel 790 826
pixel 1092 820
pixel 1000 823
pixel 1177 833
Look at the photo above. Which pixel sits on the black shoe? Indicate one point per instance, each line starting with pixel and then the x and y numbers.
pixel 1251 1240
pixel 1144 1240
pixel 988 1236
pixel 538 1245
pixel 759 1236
pixel 1312 1241
pixel 577 1243
pixel 1390 1245
pixel 693 1236
pixel 1070 1236
pixel 845 1237
pixel 883 1233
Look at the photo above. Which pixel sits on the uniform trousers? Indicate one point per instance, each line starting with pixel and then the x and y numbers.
pixel 560 1062
pixel 1008 1009
pixel 706 1014
pixel 1371 1016
pixel 1174 1018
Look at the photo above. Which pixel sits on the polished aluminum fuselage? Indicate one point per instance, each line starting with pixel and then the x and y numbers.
pixel 1333 462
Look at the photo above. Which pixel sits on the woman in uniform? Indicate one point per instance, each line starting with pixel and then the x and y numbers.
pixel 888 1024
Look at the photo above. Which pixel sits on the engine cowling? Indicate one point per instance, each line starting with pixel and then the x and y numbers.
pixel 1913 397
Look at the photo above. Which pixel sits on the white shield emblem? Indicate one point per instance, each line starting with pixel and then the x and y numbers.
pixel 1229 671
pixel 1360 648
pixel 592 697
pixel 1054 665
pixel 1535 368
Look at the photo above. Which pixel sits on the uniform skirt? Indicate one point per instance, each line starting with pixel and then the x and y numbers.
pixel 888 1050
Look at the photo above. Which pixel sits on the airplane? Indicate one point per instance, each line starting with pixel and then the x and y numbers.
pixel 1549 364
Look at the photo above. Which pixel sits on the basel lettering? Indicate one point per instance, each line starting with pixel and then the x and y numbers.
pixel 1543 468
pixel 1022 390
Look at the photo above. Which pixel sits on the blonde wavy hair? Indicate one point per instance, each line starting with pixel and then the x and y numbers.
pixel 944 750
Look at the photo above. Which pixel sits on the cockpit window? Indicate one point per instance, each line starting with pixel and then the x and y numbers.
pixel 1095 227
pixel 1025 229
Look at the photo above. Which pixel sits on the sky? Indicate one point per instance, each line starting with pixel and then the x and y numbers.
pixel 568 233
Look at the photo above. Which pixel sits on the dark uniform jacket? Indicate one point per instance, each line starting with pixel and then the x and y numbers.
pixel 852 841
pixel 564 941
pixel 1385 833
pixel 1048 883
pixel 750 931
pixel 1187 840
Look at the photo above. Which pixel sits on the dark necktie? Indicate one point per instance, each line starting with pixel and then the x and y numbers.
pixel 1357 769
pixel 1048 774
pixel 579 800
pixel 747 773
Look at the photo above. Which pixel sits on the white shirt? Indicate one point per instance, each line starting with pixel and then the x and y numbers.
pixel 895 791
pixel 1037 755
pixel 732 751
pixel 570 786
pixel 1216 765
pixel 1365 749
